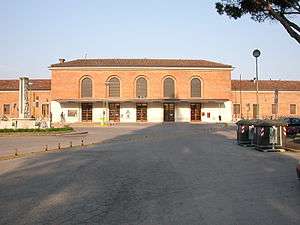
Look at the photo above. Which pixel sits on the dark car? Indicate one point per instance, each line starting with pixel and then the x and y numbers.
pixel 293 125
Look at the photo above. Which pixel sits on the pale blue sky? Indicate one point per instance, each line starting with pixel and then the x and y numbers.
pixel 35 33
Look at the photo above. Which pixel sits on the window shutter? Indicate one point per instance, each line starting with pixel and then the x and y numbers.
pixel 86 88
pixel 141 88
pixel 114 87
pixel 169 88
pixel 195 87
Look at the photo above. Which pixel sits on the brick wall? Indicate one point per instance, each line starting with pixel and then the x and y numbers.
pixel 216 83
pixel 12 98
pixel 266 99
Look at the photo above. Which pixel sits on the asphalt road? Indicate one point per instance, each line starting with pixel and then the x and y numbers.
pixel 173 174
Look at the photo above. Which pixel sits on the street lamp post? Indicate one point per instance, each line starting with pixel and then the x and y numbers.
pixel 256 54
pixel 107 83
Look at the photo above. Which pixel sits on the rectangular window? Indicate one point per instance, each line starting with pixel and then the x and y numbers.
pixel 293 108
pixel 37 104
pixel 6 109
pixel 255 111
pixel 274 109
pixel 45 110
pixel 236 109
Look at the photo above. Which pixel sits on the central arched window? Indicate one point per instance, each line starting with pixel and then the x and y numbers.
pixel 195 87
pixel 86 88
pixel 114 87
pixel 141 87
pixel 169 88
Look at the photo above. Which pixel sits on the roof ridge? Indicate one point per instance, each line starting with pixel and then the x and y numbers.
pixel 141 62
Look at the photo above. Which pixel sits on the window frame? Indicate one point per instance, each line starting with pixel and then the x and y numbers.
pixel 174 87
pixel 294 105
pixel 136 87
pixel 234 108
pixel 191 87
pixel 81 87
pixel 109 87
pixel 5 110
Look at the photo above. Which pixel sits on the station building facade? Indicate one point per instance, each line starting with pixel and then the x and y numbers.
pixel 148 90
pixel 141 90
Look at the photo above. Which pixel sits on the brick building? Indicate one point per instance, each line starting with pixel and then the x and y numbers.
pixel 39 98
pixel 152 90
pixel 148 90
pixel 276 98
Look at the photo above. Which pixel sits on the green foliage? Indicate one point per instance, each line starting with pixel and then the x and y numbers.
pixel 63 129
pixel 259 10
pixel 283 11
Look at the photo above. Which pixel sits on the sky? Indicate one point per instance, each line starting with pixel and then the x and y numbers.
pixel 35 34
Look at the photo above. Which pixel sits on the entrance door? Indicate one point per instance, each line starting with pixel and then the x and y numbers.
pixel 196 112
pixel 141 112
pixel 169 112
pixel 114 112
pixel 86 112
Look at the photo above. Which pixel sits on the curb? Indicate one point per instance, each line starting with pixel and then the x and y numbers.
pixel 71 133
pixel 292 150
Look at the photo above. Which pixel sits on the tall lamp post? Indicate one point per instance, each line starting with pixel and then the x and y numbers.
pixel 106 105
pixel 256 54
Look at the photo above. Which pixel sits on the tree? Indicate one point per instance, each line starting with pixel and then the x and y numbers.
pixel 286 12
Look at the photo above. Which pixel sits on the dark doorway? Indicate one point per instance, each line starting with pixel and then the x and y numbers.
pixel 141 112
pixel 196 112
pixel 169 112
pixel 114 112
pixel 86 112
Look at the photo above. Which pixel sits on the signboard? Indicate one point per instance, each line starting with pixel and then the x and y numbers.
pixel 72 113
pixel 273 135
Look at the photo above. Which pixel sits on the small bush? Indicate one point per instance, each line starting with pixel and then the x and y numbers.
pixel 37 130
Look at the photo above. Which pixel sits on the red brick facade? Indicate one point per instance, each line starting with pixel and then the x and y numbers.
pixel 217 89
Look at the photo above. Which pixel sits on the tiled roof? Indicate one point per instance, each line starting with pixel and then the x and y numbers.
pixel 266 85
pixel 37 84
pixel 140 63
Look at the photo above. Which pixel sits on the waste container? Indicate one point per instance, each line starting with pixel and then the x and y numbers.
pixel 244 135
pixel 268 135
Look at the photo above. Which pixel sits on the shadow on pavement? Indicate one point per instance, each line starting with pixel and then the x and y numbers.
pixel 162 174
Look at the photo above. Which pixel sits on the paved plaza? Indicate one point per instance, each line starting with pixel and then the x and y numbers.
pixel 157 174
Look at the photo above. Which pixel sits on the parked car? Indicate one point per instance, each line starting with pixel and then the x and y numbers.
pixel 298 170
pixel 293 125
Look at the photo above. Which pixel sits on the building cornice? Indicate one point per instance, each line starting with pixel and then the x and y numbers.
pixel 123 68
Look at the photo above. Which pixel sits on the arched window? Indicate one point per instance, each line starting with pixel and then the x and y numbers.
pixel 141 87
pixel 114 87
pixel 195 87
pixel 86 88
pixel 169 88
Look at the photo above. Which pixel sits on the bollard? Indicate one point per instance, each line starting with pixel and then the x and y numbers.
pixel 71 144
pixel 59 146
pixel 46 148
pixel 16 152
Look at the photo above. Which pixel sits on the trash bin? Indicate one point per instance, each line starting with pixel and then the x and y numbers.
pixel 268 135
pixel 244 135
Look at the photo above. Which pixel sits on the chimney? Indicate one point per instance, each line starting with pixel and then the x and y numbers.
pixel 62 60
